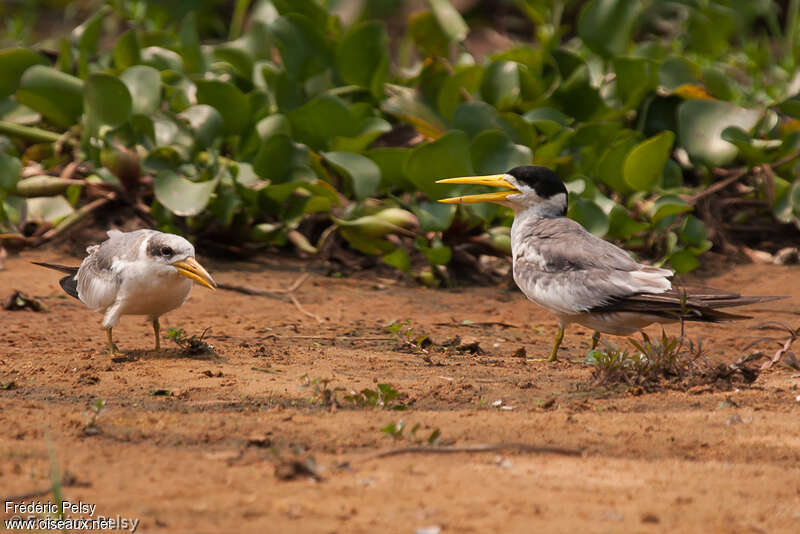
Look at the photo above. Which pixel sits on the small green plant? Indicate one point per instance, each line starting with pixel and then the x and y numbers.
pixel 410 340
pixel 383 397
pixel 191 345
pixel 96 408
pixel 666 358
pixel 322 393
pixel 395 430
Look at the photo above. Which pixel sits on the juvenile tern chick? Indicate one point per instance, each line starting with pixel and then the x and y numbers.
pixel 581 278
pixel 135 273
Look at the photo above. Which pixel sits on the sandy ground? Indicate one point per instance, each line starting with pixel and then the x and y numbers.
pixel 211 455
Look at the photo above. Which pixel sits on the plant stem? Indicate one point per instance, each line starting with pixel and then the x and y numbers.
pixel 237 21
pixel 28 132
pixel 791 29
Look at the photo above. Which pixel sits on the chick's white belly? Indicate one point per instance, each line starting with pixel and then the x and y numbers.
pixel 153 296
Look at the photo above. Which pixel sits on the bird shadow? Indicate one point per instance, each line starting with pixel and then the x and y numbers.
pixel 164 354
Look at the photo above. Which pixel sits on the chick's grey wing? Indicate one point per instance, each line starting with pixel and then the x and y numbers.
pixel 98 280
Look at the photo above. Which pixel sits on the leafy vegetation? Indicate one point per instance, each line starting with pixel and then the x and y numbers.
pixel 302 123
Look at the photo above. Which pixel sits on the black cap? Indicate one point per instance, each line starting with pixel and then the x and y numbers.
pixel 540 179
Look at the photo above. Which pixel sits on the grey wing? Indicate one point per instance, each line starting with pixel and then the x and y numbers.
pixel 98 282
pixel 568 270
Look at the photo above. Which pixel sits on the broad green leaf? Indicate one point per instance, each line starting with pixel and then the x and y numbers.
pixel 693 231
pixel 427 34
pixel 683 261
pixel 364 174
pixel 391 162
pixel 718 83
pixel 475 117
pixel 126 51
pixel 434 216
pixel 320 120
pixel 9 172
pixel 610 168
pixel 277 157
pixel 449 19
pixel 54 94
pixel 13 63
pixel 181 196
pixel 701 123
pixel 590 215
pixel 48 209
pixel 301 45
pixel 406 106
pixel 622 225
pixel 666 206
pixel 273 124
pixel 161 59
pixel 501 84
pixel 362 57
pixel 446 157
pixel 205 122
pixel 493 152
pixel 606 25
pixel 577 96
pixel 547 120
pixel 677 71
pixel 644 164
pixel 372 246
pixel 144 85
pixel 87 34
pixel 635 77
pixel 398 259
pixel 107 101
pixel 438 254
pixel 229 100
pixel 467 79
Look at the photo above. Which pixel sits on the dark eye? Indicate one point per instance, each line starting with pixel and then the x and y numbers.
pixel 166 251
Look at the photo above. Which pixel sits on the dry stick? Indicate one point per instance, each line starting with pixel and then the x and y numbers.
pixel 274 293
pixel 493 447
pixel 70 220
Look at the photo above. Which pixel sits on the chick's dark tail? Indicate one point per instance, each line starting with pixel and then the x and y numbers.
pixel 69 283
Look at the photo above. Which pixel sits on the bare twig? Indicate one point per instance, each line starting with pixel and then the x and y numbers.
pixel 491 447
pixel 303 310
pixel 71 220
pixel 272 294
pixel 276 293
pixel 717 186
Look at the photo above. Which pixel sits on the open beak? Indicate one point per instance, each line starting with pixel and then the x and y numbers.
pixel 191 269
pixel 493 180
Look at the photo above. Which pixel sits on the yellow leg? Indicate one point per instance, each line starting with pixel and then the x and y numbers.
pixel 556 344
pixel 112 348
pixel 595 340
pixel 157 331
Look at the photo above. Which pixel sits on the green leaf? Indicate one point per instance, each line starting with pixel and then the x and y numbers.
pixel 683 261
pixel 277 157
pixel 144 85
pixel 301 45
pixel 610 168
pixel 666 206
pixel 446 157
pixel 475 117
pixel 501 84
pixel 48 209
pixel 549 121
pixel 126 51
pixel 107 101
pixel 494 152
pixel 644 164
pixel 406 106
pixel 635 78
pixel 717 83
pixel 9 172
pixel 398 259
pixel 606 25
pixel 193 59
pixel 622 225
pixel 438 254
pixel 449 19
pixel 229 100
pixel 161 59
pixel 205 122
pixel 427 34
pixel 321 119
pixel 590 215
pixel 693 231
pixel 467 79
pixel 700 126
pixel 181 196
pixel 434 216
pixel 54 94
pixel 362 57
pixel 364 174
pixel 88 34
pixel 391 161
pixel 13 63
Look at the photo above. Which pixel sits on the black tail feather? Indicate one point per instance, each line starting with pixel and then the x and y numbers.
pixel 69 283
